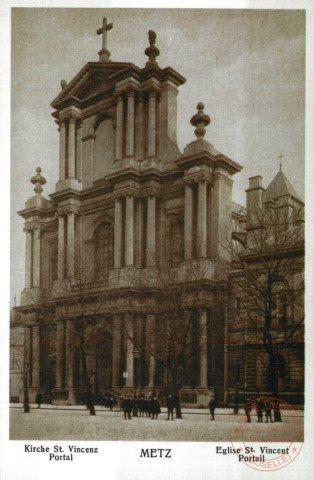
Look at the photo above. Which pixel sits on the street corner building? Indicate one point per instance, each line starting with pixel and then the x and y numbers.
pixel 130 284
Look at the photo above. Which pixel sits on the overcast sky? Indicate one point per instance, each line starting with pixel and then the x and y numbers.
pixel 246 66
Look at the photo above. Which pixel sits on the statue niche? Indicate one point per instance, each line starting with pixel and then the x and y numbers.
pixel 104 146
pixel 176 239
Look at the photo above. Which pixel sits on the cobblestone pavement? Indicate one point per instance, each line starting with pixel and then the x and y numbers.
pixel 77 424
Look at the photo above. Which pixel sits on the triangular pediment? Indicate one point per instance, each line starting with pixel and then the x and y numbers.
pixel 91 80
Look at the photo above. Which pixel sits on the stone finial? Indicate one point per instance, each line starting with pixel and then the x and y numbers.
pixel 152 51
pixel 63 84
pixel 200 120
pixel 38 181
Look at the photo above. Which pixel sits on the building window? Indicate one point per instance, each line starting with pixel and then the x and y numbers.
pixel 238 304
pixel 103 251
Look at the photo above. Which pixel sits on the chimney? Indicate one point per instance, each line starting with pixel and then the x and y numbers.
pixel 254 199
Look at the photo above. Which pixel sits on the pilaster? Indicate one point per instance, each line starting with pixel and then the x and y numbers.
pixel 119 128
pixel 129 231
pixel 151 232
pixel 59 352
pixel 36 257
pixel 202 220
pixel 62 150
pixel 61 246
pixel 35 356
pixel 188 221
pixel 130 124
pixel 151 149
pixel 128 319
pixel 118 233
pixel 203 348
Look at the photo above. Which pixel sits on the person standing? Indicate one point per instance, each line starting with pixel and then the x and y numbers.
pixel 135 405
pixel 247 409
pixel 127 406
pixel 170 406
pixel 268 411
pixel 155 408
pixel 212 406
pixel 259 410
pixel 38 399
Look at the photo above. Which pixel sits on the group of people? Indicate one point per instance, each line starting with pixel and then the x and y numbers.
pixel 145 406
pixel 109 400
pixel 261 406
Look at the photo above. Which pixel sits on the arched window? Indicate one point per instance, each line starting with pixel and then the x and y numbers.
pixel 103 251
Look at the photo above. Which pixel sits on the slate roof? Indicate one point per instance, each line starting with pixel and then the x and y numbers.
pixel 279 187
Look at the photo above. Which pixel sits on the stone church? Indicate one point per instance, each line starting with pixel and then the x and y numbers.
pixel 128 207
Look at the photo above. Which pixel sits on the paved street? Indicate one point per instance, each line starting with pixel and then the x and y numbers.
pixel 76 424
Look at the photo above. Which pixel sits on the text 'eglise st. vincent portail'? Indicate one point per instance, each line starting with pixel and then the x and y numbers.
pixel 141 273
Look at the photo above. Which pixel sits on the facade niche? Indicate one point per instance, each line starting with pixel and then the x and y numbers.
pixel 103 251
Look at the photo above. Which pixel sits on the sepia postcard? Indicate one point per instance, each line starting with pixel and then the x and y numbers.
pixel 159 209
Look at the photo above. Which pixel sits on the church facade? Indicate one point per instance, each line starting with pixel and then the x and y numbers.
pixel 131 220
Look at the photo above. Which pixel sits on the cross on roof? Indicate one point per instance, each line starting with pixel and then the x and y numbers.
pixel 280 157
pixel 103 30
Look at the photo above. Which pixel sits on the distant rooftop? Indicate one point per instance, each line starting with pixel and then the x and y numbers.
pixel 279 187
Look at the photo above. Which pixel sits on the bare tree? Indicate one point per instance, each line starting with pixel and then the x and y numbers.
pixel 267 279
pixel 170 340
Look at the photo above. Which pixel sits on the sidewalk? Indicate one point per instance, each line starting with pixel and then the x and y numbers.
pixel 100 408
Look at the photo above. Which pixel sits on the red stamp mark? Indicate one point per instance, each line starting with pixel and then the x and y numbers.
pixel 256 427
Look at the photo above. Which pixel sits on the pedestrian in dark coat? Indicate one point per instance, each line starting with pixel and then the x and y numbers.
pixel 38 399
pixel 259 410
pixel 268 411
pixel 170 406
pixel 247 409
pixel 141 406
pixel 135 406
pixel 127 406
pixel 155 408
pixel 147 404
pixel 112 401
pixel 212 406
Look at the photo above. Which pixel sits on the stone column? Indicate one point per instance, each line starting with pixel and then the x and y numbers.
pixel 151 232
pixel 151 151
pixel 27 353
pixel 69 354
pixel 119 128
pixel 128 319
pixel 201 220
pixel 71 148
pixel 116 351
pixel 151 339
pixel 62 152
pixel 28 259
pixel 140 232
pixel 203 348
pixel 188 219
pixel 59 352
pixel 70 244
pixel 139 132
pixel 36 257
pixel 117 233
pixel 36 357
pixel 130 124
pixel 129 231
pixel 61 250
